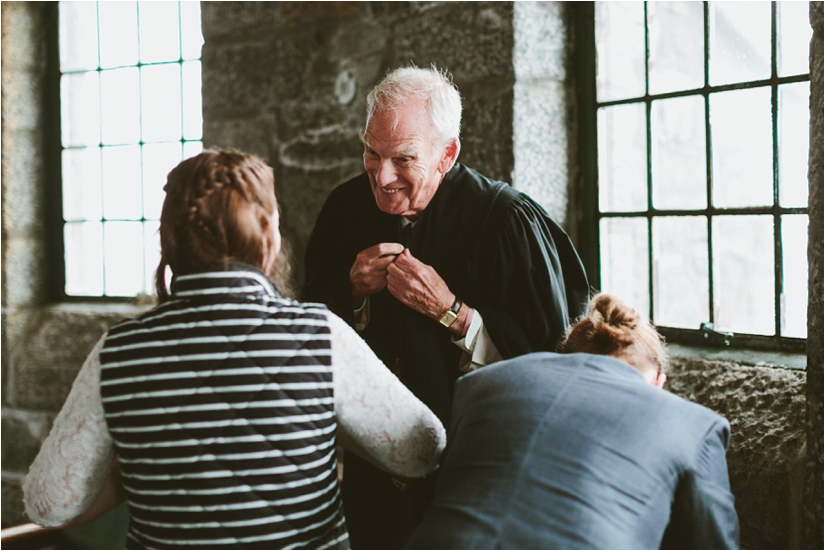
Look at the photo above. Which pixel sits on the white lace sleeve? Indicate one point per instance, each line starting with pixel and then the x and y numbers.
pixel 378 412
pixel 72 465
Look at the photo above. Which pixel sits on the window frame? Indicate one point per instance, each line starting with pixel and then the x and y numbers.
pixel 54 227
pixel 585 62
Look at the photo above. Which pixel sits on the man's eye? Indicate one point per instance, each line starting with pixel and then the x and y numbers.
pixel 370 153
pixel 404 161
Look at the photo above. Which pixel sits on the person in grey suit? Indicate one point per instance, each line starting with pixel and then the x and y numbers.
pixel 582 450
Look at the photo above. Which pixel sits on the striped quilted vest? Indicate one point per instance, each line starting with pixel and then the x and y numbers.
pixel 220 405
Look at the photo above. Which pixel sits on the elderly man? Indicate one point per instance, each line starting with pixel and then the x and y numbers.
pixel 441 269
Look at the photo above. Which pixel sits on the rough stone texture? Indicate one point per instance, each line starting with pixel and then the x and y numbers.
pixel 288 81
pixel 13 513
pixel 541 105
pixel 766 409
pixel 22 437
pixel 55 346
pixel 813 519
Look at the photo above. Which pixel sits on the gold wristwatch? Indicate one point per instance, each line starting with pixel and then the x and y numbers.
pixel 450 314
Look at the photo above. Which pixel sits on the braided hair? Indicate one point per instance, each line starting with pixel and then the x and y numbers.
pixel 611 328
pixel 218 206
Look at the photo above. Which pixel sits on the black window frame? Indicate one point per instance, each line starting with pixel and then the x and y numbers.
pixel 53 155
pixel 584 61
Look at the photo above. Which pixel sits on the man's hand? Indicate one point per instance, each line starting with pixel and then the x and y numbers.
pixel 369 272
pixel 418 286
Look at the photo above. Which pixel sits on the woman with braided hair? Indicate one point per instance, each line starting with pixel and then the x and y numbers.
pixel 582 450
pixel 220 409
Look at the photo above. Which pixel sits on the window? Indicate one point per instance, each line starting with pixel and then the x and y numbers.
pixel 130 110
pixel 701 118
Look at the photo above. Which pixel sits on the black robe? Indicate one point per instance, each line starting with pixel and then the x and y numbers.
pixel 496 249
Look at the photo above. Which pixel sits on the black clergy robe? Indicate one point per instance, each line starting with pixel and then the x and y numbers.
pixel 497 250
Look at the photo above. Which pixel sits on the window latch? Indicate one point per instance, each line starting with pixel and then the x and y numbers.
pixel 714 337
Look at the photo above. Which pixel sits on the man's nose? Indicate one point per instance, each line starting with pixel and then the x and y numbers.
pixel 385 174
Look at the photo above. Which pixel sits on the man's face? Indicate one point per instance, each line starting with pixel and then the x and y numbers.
pixel 404 161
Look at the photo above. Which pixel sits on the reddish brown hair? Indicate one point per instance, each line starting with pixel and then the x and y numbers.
pixel 611 328
pixel 217 206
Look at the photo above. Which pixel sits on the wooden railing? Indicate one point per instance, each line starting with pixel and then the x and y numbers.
pixel 29 536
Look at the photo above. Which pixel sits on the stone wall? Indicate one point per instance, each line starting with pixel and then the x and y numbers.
pixel 766 456
pixel 813 483
pixel 288 81
pixel 23 284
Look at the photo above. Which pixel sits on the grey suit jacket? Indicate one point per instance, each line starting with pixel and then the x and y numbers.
pixel 551 451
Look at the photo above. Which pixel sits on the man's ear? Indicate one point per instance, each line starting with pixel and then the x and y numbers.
pixel 660 381
pixel 450 156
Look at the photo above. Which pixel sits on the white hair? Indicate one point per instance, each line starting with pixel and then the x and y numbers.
pixel 432 86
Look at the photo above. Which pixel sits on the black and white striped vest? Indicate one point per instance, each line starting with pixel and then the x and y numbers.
pixel 220 405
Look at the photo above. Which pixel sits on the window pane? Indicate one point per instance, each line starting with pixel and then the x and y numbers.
pixel 121 183
pixel 620 46
pixel 795 276
pixel 740 41
pixel 120 98
pixel 83 246
pixel 160 101
pixel 82 194
pixel 793 144
pixel 742 148
pixel 78 36
pixel 624 261
pixel 677 46
pixel 190 149
pixel 192 111
pixel 622 158
pixel 124 269
pixel 80 109
pixel 159 31
pixel 151 252
pixel 118 34
pixel 743 263
pixel 794 37
pixel 158 160
pixel 679 167
pixel 190 30
pixel 680 271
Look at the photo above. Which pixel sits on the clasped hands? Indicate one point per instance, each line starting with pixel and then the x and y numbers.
pixel 412 282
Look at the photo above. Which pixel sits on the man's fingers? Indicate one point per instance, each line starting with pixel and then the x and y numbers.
pixel 384 249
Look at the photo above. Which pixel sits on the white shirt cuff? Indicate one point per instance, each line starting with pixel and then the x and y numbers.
pixel 362 315
pixel 479 349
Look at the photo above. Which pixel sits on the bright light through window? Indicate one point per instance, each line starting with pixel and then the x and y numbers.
pixel 130 95
pixel 702 114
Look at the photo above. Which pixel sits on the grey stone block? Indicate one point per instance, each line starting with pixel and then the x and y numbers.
pixel 21 93
pixel 23 183
pixel 766 411
pixel 540 50
pixel 293 11
pixel 20 22
pixel 249 135
pixel 23 274
pixel 487 129
pixel 237 79
pixel 23 435
pixel 813 516
pixel 53 353
pixel 13 512
pixel 472 41
pixel 229 20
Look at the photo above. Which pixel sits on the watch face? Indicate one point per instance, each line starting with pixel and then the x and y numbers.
pixel 447 318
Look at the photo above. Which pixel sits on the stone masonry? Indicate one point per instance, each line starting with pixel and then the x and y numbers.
pixel 288 81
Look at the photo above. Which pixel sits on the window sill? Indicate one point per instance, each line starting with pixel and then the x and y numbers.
pixel 744 356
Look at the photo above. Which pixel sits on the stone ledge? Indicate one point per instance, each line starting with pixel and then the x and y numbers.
pixel 53 348
pixel 766 410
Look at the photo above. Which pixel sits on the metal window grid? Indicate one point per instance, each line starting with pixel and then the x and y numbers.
pixel 593 215
pixel 140 143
